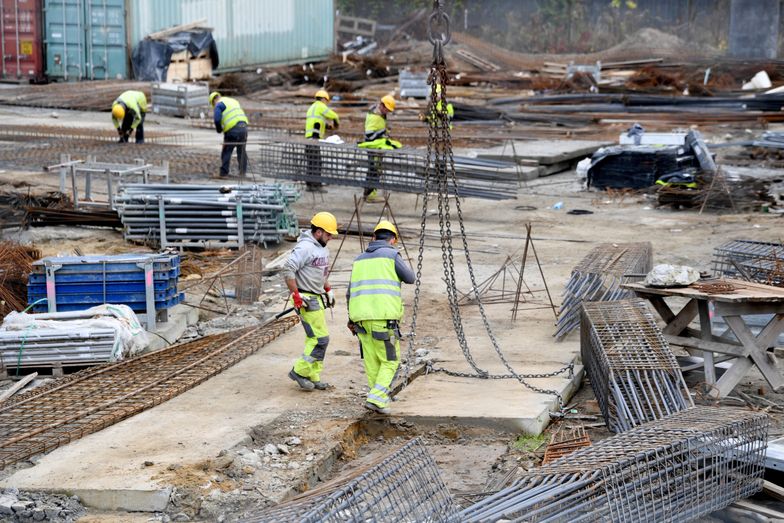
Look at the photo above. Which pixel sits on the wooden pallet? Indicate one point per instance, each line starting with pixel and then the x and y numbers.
pixel 184 68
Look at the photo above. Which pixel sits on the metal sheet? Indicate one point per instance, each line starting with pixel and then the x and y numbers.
pixel 21 40
pixel 247 32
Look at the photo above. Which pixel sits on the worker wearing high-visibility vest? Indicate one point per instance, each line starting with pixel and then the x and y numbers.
pixel 305 274
pixel 317 120
pixel 435 109
pixel 230 120
pixel 377 137
pixel 375 308
pixel 128 112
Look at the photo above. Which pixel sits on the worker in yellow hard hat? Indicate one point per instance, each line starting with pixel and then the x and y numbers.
pixel 434 109
pixel 377 137
pixel 375 308
pixel 318 119
pixel 305 273
pixel 230 120
pixel 128 112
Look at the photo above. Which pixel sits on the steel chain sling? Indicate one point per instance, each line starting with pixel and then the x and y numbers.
pixel 440 173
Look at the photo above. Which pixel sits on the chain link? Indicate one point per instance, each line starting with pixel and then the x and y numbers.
pixel 441 165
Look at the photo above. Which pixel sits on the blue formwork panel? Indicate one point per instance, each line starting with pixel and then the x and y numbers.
pixel 97 299
pixel 101 287
pixel 135 306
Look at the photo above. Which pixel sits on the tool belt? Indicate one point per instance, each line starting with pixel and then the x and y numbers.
pixel 310 300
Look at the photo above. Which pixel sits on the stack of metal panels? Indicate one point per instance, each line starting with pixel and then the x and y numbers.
pixel 599 276
pixel 171 99
pixel 147 283
pixel 413 85
pixel 762 262
pixel 44 347
pixel 404 486
pixel 633 372
pixel 207 215
pixel 674 469
pixel 401 170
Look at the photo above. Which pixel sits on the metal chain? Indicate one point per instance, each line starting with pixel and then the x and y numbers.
pixel 441 164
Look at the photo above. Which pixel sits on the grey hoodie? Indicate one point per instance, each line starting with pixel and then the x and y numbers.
pixel 308 264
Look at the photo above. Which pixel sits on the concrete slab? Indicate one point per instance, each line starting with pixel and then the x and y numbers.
pixel 165 334
pixel 543 152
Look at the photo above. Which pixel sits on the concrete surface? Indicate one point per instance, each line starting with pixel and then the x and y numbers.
pixel 165 334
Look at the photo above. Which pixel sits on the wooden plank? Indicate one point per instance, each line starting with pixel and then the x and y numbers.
pixel 198 24
pixel 706 345
pixel 16 387
pixel 681 320
pixel 731 377
pixel 773 490
pixel 758 509
pixel 744 292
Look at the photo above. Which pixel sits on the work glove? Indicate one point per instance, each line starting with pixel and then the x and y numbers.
pixel 297 299
pixel 330 297
pixel 352 327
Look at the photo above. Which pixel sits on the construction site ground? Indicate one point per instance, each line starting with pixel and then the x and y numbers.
pixel 202 456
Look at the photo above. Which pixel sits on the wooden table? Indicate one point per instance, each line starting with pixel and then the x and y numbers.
pixel 742 352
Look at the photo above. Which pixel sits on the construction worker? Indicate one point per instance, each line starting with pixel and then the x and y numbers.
pixel 318 119
pixel 375 308
pixel 128 112
pixel 305 274
pixel 431 113
pixel 377 137
pixel 230 120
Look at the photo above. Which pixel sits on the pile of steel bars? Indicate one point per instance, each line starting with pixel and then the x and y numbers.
pixel 633 372
pixel 401 170
pixel 86 133
pixel 404 486
pixel 674 469
pixel 198 215
pixel 762 262
pixel 90 400
pixel 599 276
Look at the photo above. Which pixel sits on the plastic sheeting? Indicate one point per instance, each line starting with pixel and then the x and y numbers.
pixel 151 58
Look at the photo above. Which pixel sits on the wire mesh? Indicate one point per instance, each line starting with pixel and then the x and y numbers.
pixel 762 262
pixel 404 486
pixel 599 276
pixel 675 469
pixel 633 372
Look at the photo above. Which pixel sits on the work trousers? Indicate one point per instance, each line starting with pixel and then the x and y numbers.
pixel 381 356
pixel 139 131
pixel 313 320
pixel 313 159
pixel 237 136
pixel 373 172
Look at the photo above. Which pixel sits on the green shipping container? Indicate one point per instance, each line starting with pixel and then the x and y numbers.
pixel 85 40
pixel 247 32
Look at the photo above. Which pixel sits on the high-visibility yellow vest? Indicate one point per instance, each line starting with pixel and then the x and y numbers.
pixel 375 126
pixel 374 291
pixel 232 114
pixel 134 101
pixel 318 113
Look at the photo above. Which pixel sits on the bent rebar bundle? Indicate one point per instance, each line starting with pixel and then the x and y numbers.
pixel 762 262
pixel 404 486
pixel 674 469
pixel 599 276
pixel 392 170
pixel 633 372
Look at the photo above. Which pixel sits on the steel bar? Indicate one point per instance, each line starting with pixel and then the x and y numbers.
pixel 95 398
pixel 404 486
pixel 633 372
pixel 762 262
pixel 88 133
pixel 674 469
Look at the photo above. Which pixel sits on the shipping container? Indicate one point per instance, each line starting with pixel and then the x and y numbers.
pixel 85 40
pixel 247 32
pixel 21 40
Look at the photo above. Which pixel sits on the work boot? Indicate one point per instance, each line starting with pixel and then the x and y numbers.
pixel 372 196
pixel 381 410
pixel 302 381
pixel 321 385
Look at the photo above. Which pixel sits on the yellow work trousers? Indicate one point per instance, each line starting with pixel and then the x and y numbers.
pixel 311 363
pixel 381 356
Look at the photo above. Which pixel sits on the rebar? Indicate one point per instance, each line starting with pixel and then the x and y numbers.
pixel 674 469
pixel 403 486
pixel 762 262
pixel 88 133
pixel 599 276
pixel 565 442
pixel 88 401
pixel 393 170
pixel 633 372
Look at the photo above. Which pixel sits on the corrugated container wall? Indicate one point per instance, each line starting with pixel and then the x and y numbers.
pixel 21 40
pixel 247 32
pixel 85 39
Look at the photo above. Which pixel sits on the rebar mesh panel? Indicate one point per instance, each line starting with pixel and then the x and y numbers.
pixel 404 486
pixel 633 372
pixel 392 170
pixel 675 469
pixel 598 277
pixel 762 262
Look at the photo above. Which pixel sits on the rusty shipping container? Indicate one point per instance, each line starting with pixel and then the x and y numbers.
pixel 21 40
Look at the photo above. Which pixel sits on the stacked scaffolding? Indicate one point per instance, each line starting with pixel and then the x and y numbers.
pixel 47 347
pixel 180 99
pixel 633 372
pixel 599 276
pixel 400 170
pixel 405 486
pixel 675 469
pixel 762 262
pixel 207 215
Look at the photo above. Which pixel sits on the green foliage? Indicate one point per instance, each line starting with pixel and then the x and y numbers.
pixel 528 443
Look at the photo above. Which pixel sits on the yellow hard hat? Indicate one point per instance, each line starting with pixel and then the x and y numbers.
pixel 118 111
pixel 321 93
pixel 326 221
pixel 213 95
pixel 385 225
pixel 389 102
